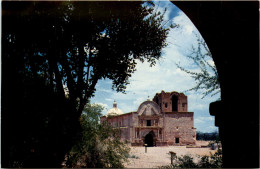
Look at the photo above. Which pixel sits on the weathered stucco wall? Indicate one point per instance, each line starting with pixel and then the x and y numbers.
pixel 156 119
pixel 180 125
pixel 165 101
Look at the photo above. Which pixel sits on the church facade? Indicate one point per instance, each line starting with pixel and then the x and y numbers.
pixel 163 121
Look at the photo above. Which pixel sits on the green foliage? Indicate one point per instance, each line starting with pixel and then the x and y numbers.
pixel 134 156
pixel 212 161
pixel 92 114
pixel 207 78
pixel 68 46
pixel 186 161
pixel 100 145
pixel 74 44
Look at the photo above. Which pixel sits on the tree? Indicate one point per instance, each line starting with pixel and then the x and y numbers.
pixel 207 78
pixel 100 145
pixel 75 47
pixel 58 46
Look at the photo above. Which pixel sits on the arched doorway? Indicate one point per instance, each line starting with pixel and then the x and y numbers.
pixel 149 139
pixel 229 60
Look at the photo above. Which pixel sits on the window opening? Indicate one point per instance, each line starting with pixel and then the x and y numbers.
pixel 148 123
pixel 177 140
pixel 174 103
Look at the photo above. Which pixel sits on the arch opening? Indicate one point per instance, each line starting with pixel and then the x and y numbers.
pixel 149 139
pixel 174 103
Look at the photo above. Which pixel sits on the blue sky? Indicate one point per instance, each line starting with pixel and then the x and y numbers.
pixel 147 81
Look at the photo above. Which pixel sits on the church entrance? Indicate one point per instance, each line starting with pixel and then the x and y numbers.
pixel 149 139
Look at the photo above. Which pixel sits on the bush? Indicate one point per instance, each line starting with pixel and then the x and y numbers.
pixel 100 146
pixel 186 161
pixel 134 156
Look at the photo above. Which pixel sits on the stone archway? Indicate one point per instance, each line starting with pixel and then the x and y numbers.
pixel 228 51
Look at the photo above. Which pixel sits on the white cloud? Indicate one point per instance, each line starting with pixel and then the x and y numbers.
pixel 207 129
pixel 109 99
pixel 102 104
pixel 202 119
pixel 186 26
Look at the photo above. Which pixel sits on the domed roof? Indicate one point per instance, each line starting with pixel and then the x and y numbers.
pixel 114 111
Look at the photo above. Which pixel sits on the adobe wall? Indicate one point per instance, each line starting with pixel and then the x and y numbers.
pixel 118 121
pixel 124 122
pixel 164 100
pixel 179 125
pixel 168 127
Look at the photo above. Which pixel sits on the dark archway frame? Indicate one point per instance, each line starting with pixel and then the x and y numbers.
pixel 231 31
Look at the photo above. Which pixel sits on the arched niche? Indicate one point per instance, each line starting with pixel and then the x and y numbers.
pixel 175 99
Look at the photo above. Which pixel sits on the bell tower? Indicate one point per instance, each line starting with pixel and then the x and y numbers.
pixel 171 101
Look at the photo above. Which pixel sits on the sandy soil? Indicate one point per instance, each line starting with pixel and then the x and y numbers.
pixel 158 156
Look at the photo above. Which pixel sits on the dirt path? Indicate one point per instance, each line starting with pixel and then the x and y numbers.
pixel 158 156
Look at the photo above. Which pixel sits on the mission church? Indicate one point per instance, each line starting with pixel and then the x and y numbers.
pixel 161 122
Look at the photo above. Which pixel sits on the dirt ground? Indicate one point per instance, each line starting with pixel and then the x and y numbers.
pixel 158 156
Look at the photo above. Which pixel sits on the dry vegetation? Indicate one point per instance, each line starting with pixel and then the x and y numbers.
pixel 159 156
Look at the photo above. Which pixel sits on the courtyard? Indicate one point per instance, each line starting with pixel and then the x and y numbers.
pixel 159 156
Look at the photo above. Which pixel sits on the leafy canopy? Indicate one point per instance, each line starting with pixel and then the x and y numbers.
pixel 74 44
pixel 52 47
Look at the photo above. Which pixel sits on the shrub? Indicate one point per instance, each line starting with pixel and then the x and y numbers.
pixel 100 146
pixel 186 161
pixel 134 156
